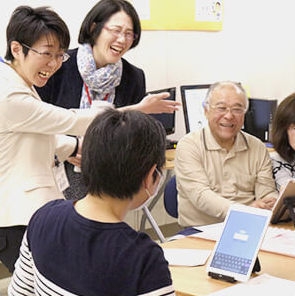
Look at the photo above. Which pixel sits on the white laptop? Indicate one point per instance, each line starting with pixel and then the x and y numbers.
pixel 235 253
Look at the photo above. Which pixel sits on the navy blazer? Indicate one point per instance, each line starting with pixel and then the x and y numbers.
pixel 65 86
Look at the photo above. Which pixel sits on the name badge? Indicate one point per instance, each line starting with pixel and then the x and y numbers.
pixel 60 176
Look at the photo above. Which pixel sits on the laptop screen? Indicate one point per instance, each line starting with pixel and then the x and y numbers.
pixel 192 97
pixel 236 251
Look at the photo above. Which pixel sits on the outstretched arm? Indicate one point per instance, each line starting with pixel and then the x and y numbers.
pixel 154 103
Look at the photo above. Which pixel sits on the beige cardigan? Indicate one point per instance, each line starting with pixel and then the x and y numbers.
pixel 28 143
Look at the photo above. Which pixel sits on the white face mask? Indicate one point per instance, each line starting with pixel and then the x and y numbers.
pixel 150 197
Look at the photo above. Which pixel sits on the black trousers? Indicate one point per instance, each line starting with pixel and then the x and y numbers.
pixel 10 242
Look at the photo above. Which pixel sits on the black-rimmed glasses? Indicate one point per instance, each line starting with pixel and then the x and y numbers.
pixel 61 57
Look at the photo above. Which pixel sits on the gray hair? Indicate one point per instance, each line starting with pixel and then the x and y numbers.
pixel 237 85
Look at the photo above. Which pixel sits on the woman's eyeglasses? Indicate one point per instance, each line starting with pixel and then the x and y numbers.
pixel 116 32
pixel 61 57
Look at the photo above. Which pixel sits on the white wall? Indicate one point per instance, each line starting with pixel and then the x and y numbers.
pixel 255 47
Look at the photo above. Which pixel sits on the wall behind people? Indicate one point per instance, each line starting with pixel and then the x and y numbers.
pixel 256 47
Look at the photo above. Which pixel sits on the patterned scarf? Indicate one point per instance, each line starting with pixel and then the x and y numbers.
pixel 99 84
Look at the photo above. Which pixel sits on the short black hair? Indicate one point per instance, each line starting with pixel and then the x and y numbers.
pixel 119 149
pixel 100 14
pixel 27 25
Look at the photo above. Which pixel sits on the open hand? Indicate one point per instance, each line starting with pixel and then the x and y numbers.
pixel 156 103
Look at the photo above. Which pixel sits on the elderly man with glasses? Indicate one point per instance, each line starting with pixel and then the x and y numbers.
pixel 220 164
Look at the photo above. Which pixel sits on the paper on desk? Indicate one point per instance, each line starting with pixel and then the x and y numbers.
pixel 264 284
pixel 279 240
pixel 186 257
pixel 276 240
pixel 210 232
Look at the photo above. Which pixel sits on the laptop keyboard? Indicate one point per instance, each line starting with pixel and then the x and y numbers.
pixel 231 263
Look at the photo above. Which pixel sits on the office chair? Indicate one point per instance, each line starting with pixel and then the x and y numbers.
pixel 170 198
pixel 171 206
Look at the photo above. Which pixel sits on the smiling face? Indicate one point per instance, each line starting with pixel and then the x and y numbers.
pixel 36 67
pixel 225 127
pixel 108 48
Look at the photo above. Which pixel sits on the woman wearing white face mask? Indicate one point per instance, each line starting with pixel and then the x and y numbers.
pixel 123 154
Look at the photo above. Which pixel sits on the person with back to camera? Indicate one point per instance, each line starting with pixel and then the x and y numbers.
pixel 283 139
pixel 97 72
pixel 83 247
pixel 220 164
pixel 33 132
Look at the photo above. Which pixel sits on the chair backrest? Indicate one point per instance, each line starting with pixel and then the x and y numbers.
pixel 170 198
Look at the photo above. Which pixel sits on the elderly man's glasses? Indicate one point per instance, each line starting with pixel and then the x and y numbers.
pixel 221 109
pixel 116 32
pixel 61 57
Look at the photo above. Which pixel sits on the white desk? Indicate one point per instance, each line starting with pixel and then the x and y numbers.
pixel 194 281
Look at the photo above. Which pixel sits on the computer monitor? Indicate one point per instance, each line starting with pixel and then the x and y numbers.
pixel 167 119
pixel 258 118
pixel 192 97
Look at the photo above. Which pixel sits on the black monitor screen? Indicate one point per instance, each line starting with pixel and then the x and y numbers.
pixel 258 117
pixel 167 119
